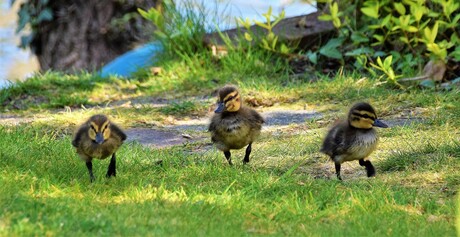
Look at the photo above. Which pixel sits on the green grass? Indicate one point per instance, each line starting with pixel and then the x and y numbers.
pixel 288 188
pixel 46 191
pixel 284 191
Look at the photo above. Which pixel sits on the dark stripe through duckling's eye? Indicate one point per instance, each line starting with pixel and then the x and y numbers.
pixel 363 115
pixel 231 98
pixel 92 127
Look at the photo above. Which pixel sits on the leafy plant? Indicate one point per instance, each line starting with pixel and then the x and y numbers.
pixel 181 30
pixel 268 41
pixel 387 69
pixel 32 13
pixel 411 31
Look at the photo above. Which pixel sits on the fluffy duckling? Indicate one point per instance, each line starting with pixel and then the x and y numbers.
pixel 354 139
pixel 98 138
pixel 233 125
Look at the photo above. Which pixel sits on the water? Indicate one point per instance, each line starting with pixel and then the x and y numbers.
pixel 15 63
pixel 228 10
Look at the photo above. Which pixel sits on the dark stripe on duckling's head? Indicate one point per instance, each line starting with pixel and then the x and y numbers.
pixel 99 130
pixel 229 99
pixel 363 116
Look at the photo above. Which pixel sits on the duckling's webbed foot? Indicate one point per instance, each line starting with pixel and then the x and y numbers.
pixel 228 156
pixel 112 167
pixel 369 167
pixel 337 170
pixel 248 152
pixel 89 165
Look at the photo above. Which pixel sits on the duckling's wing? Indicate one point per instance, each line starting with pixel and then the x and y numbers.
pixel 213 124
pixel 255 116
pixel 78 135
pixel 334 143
pixel 117 131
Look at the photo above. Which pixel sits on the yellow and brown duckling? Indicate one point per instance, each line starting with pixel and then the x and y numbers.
pixel 354 138
pixel 233 125
pixel 98 138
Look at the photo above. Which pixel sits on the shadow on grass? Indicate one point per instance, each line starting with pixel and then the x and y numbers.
pixel 430 158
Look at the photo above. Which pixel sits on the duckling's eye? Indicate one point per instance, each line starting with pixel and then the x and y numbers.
pixel 92 127
pixel 230 98
pixel 364 116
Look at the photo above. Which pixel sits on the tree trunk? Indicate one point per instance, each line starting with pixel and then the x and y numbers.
pixel 86 34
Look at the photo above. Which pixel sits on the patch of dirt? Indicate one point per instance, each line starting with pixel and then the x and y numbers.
pixel 393 122
pixel 181 132
pixel 195 130
pixel 159 138
pixel 287 117
pixel 23 101
pixel 7 119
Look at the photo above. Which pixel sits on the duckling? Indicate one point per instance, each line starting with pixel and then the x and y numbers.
pixel 354 139
pixel 98 138
pixel 234 125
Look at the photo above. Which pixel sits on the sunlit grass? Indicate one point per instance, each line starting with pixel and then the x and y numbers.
pixel 285 190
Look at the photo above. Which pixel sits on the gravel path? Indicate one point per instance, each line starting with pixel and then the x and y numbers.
pixel 194 130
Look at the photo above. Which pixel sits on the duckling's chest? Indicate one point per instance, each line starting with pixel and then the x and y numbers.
pixel 102 151
pixel 234 126
pixel 361 146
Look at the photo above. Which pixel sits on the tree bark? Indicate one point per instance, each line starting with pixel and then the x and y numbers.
pixel 86 34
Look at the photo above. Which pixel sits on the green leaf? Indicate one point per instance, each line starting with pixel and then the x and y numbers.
pixel 313 57
pixel 376 66
pixel 284 49
pixel 403 39
pixel 282 14
pixel 374 27
pixel 26 40
pixel 336 22
pixel 143 13
pixel 387 62
pixel 386 21
pixel 45 15
pixel 379 62
pixel 275 40
pixel 331 49
pixel 359 37
pixel 371 11
pixel 360 51
pixel 430 34
pixel 400 8
pixel 247 36
pixel 160 34
pixel 418 11
pixel 379 54
pixel 325 17
pixel 334 9
pixel 456 53
pixel 455 39
pixel 271 36
pixel 428 83
pixel 246 23
pixel 263 25
pixel 379 38
pixel 265 44
pixel 24 18
pixel 412 29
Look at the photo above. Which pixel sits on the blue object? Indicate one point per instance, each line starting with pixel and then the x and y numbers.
pixel 132 61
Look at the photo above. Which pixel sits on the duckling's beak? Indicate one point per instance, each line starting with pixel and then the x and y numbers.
pixel 99 138
pixel 220 107
pixel 378 123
